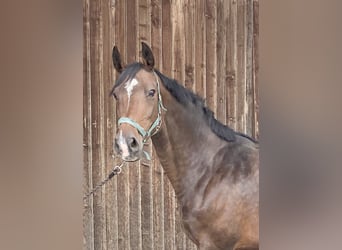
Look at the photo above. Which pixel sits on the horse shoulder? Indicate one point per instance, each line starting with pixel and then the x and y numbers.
pixel 224 196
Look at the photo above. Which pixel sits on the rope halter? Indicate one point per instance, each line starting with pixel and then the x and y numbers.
pixel 155 126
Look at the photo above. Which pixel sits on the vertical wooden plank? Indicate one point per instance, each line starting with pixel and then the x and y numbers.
pixel 131 30
pixel 156 30
pixel 169 215
pixel 222 16
pixel 169 206
pixel 144 21
pixel 132 20
pixel 157 171
pixel 94 100
pixel 123 180
pixel 177 17
pixel 166 37
pixel 100 126
pixel 241 104
pixel 211 34
pixel 97 121
pixel 189 43
pixel 112 218
pixel 231 68
pixel 88 213
pixel 102 120
pixel 200 54
pixel 178 66
pixel 144 31
pixel 134 206
pixel 256 68
pixel 111 186
pixel 158 205
pixel 249 102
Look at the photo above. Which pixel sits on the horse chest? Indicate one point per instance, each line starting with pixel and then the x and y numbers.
pixel 206 226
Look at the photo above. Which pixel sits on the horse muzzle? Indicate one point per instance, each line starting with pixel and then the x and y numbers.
pixel 128 146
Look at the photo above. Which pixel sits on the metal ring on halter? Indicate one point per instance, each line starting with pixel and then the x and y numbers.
pixel 118 169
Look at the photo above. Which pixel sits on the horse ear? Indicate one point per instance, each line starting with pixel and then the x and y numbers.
pixel 147 56
pixel 117 59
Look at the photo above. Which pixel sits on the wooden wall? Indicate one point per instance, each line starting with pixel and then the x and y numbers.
pixel 208 45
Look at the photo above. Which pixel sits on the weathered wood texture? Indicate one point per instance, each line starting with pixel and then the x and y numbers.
pixel 210 46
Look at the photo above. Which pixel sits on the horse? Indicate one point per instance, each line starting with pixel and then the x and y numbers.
pixel 213 169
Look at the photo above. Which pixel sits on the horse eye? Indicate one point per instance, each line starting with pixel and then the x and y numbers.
pixel 115 97
pixel 151 92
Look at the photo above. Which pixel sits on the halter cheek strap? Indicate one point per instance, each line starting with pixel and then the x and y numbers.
pixel 154 128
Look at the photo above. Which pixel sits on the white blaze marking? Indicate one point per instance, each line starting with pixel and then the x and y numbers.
pixel 129 87
pixel 123 145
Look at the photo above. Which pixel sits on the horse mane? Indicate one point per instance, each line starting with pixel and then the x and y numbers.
pixel 184 96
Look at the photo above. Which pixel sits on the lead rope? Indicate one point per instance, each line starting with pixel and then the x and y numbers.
pixel 115 171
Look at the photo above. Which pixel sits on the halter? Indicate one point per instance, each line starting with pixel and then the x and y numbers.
pixel 154 128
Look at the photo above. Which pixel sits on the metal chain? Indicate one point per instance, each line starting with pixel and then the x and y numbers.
pixel 116 170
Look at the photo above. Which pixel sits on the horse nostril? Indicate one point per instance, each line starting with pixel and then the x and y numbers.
pixel 132 142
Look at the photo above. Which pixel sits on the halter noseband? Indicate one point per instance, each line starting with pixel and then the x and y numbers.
pixel 154 128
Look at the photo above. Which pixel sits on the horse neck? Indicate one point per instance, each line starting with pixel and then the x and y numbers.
pixel 184 143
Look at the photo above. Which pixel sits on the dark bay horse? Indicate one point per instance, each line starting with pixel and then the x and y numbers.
pixel 213 170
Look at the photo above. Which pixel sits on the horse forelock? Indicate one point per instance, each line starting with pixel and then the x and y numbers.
pixel 127 74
